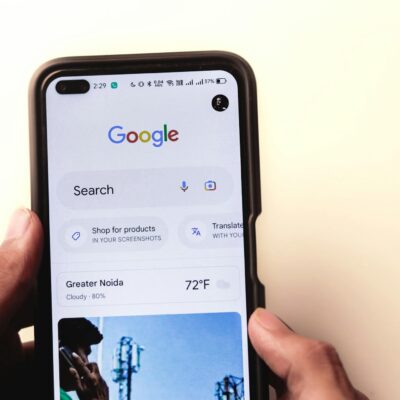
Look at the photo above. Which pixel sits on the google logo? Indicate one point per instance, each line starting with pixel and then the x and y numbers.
pixel 158 137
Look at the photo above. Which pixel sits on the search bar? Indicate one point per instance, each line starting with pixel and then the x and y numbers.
pixel 154 187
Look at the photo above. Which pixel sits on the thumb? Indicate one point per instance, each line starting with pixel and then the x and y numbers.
pixel 308 366
pixel 273 341
pixel 19 261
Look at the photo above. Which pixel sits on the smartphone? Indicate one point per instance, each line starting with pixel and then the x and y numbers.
pixel 66 355
pixel 145 173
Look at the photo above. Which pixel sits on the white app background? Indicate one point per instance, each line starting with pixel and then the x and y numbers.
pixel 146 237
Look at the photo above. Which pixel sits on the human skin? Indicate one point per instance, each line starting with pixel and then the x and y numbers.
pixel 310 369
pixel 88 382
pixel 20 255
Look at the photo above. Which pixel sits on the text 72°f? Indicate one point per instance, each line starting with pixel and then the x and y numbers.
pixel 197 284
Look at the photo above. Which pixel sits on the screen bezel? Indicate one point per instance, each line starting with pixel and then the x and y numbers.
pixel 249 153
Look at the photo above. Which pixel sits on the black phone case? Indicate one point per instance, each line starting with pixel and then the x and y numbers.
pixel 164 62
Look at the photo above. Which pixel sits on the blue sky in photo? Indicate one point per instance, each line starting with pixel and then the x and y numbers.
pixel 184 356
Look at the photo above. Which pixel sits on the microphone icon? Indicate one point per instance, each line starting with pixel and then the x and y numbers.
pixel 184 186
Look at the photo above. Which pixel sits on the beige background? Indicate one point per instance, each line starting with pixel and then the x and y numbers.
pixel 328 82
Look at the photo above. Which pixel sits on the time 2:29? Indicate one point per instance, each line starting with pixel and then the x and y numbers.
pixel 99 85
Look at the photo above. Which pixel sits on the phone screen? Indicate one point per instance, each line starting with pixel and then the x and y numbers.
pixel 146 234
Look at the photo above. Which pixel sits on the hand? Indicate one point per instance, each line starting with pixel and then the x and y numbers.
pixel 311 369
pixel 88 382
pixel 19 261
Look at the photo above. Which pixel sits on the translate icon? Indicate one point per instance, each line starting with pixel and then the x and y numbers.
pixel 184 186
pixel 210 185
pixel 196 231
pixel 76 235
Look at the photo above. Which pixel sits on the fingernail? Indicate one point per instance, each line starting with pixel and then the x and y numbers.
pixel 268 320
pixel 19 223
pixel 75 355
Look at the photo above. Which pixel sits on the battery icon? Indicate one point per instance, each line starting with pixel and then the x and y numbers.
pixel 220 81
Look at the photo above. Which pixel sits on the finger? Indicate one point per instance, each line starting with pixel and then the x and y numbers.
pixel 94 368
pixel 15 354
pixel 19 261
pixel 267 334
pixel 28 349
pixel 76 378
pixel 10 350
pixel 300 361
pixel 83 370
pixel 24 316
pixel 361 396
pixel 96 378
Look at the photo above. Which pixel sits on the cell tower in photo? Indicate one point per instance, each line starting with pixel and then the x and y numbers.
pixel 126 361
pixel 230 388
